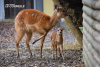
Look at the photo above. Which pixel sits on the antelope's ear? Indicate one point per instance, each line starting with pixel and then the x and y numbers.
pixel 55 28
pixel 57 9
pixel 60 8
pixel 62 28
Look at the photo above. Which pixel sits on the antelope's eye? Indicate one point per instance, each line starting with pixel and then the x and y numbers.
pixel 63 10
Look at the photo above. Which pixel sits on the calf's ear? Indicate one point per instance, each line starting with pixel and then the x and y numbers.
pixel 62 28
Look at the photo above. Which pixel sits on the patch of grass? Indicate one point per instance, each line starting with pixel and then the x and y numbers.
pixel 68 29
pixel 81 28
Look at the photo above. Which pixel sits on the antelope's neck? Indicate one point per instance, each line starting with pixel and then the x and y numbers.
pixel 54 19
pixel 59 38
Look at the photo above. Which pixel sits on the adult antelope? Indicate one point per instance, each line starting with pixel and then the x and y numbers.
pixel 29 20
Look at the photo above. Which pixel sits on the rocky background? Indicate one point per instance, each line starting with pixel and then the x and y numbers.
pixel 72 50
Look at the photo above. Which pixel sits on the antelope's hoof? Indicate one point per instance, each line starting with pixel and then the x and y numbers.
pixel 30 55
pixel 18 57
pixel 53 58
pixel 60 55
pixel 63 59
pixel 40 56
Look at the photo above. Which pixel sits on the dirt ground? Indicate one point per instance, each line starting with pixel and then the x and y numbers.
pixel 72 51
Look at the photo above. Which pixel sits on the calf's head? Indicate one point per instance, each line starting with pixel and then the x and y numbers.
pixel 59 31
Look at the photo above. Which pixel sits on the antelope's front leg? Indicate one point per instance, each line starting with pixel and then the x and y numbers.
pixel 53 50
pixel 62 51
pixel 59 51
pixel 56 51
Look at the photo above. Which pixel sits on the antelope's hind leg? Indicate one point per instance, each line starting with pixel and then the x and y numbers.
pixel 28 38
pixel 41 45
pixel 53 50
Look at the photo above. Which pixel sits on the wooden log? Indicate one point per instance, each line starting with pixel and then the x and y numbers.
pixel 96 15
pixel 88 19
pixel 95 4
pixel 93 23
pixel 90 57
pixel 77 33
pixel 92 32
pixel 87 10
pixel 84 59
pixel 85 62
pixel 96 25
pixel 87 57
pixel 92 13
pixel 92 51
pixel 87 2
pixel 90 47
pixel 95 44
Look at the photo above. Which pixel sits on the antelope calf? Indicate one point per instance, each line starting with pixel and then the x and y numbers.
pixel 29 20
pixel 57 41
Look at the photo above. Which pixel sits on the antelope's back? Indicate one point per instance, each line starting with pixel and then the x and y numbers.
pixel 31 16
pixel 53 36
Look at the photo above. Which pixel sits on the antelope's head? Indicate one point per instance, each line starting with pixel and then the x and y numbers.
pixel 59 31
pixel 61 12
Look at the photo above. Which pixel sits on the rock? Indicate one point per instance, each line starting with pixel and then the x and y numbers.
pixel 31 65
pixel 35 66
pixel 23 57
pixel 12 66
pixel 64 64
pixel 61 66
